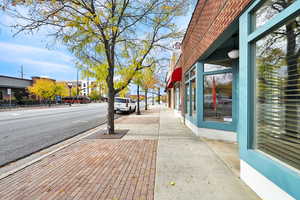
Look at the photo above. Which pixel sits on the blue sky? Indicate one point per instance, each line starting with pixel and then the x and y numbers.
pixel 29 51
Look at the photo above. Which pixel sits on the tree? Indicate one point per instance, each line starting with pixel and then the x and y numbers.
pixel 47 89
pixel 19 95
pixel 61 89
pixel 124 92
pixel 112 39
pixel 148 81
pixel 95 95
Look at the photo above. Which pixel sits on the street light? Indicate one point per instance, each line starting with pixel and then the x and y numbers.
pixel 70 85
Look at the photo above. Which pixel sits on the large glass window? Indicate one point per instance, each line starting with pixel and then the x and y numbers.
pixel 193 72
pixel 194 99
pixel 277 99
pixel 187 98
pixel 218 97
pixel 177 97
pixel 268 10
pixel 190 92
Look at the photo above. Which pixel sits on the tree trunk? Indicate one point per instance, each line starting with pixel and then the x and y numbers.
pixel 138 112
pixel 146 99
pixel 291 90
pixel 111 106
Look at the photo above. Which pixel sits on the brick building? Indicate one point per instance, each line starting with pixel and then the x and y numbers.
pixel 240 81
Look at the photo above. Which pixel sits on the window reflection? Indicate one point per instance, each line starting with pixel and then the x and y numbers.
pixel 193 84
pixel 193 72
pixel 187 96
pixel 213 67
pixel 268 10
pixel 278 93
pixel 218 97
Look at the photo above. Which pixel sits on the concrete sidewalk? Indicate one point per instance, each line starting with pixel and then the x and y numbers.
pixel 159 159
pixel 194 168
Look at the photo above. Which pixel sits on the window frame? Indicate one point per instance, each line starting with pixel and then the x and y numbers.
pixel 188 107
pixel 285 177
pixel 227 126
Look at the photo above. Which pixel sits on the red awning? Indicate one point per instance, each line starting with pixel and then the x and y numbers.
pixel 175 76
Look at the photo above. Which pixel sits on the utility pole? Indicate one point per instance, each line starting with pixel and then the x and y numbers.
pixel 158 95
pixel 87 87
pixel 21 72
pixel 138 112
pixel 152 98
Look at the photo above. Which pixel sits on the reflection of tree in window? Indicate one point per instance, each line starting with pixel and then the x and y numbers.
pixel 193 84
pixel 278 86
pixel 269 9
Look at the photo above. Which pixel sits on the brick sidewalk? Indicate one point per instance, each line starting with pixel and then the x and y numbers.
pixel 89 169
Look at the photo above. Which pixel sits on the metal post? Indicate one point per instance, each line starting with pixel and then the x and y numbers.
pixel 9 92
pixel 70 92
pixel 88 89
pixel 10 100
pixel 152 98
pixel 77 83
pixel 138 112
pixel 158 95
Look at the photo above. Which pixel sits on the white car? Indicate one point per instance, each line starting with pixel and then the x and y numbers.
pixel 124 105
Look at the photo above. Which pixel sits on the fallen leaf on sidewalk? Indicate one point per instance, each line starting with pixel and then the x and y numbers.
pixel 172 183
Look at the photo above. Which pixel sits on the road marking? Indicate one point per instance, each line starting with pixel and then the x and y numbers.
pixel 15 114
pixel 79 121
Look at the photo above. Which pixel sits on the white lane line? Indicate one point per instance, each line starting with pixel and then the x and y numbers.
pixel 79 121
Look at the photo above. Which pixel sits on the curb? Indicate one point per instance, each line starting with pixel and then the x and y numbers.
pixel 91 131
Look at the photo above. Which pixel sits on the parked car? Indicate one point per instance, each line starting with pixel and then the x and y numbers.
pixel 124 105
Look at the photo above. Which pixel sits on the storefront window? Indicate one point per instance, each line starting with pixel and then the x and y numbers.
pixel 187 97
pixel 268 10
pixel 177 97
pixel 277 99
pixel 194 99
pixel 193 72
pixel 213 67
pixel 186 77
pixel 218 97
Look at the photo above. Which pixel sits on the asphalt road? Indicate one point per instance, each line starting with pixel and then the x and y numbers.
pixel 26 131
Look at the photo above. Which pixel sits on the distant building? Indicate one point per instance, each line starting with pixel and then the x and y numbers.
pixel 85 87
pixel 16 85
pixel 88 87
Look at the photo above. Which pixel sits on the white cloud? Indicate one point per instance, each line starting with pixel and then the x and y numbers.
pixel 47 67
pixel 36 60
pixel 26 50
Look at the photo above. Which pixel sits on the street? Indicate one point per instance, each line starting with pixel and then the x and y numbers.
pixel 26 131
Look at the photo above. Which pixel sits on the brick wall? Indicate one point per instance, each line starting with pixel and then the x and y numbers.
pixel 210 19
